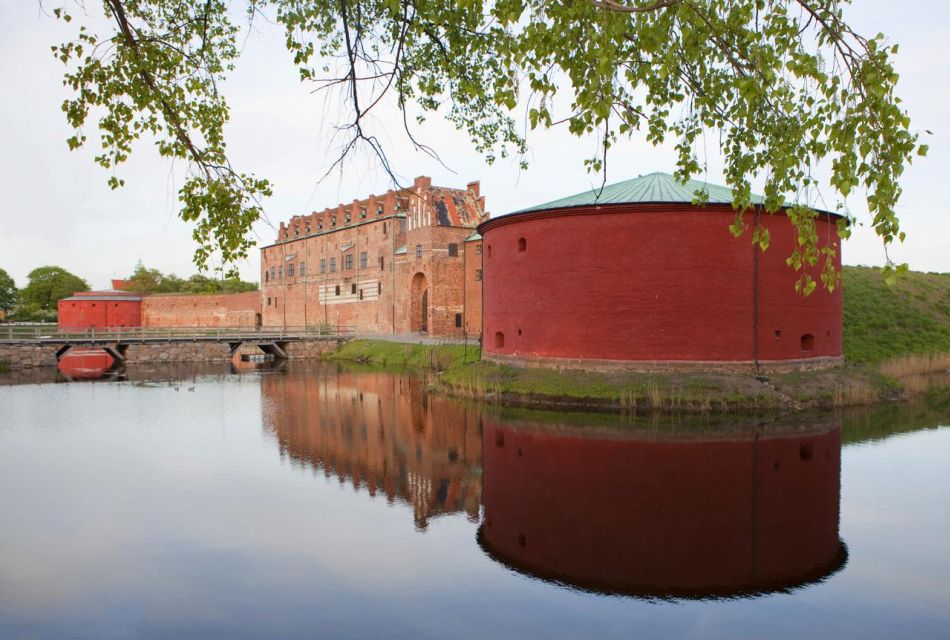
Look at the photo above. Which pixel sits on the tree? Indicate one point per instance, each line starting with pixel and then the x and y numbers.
pixel 782 87
pixel 8 292
pixel 145 280
pixel 48 285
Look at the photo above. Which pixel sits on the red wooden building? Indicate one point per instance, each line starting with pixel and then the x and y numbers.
pixel 637 275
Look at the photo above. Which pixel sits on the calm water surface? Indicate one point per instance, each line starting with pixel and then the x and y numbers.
pixel 311 502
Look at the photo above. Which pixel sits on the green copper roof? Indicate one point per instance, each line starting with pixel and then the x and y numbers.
pixel 653 188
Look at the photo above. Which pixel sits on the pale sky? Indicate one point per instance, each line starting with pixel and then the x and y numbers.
pixel 60 210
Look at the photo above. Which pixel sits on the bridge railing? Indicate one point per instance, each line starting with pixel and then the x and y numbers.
pixel 119 334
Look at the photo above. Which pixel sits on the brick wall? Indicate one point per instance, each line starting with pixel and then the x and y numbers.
pixel 227 310
pixel 651 282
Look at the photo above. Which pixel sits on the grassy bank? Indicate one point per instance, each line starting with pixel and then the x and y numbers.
pixel 881 322
pixel 458 370
pixel 896 337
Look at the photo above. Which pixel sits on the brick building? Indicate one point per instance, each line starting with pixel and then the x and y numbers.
pixel 403 262
pixel 637 275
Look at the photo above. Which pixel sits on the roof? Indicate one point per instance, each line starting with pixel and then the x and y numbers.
pixel 94 298
pixel 652 188
pixel 473 237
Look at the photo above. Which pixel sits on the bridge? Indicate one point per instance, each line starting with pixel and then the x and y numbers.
pixel 116 340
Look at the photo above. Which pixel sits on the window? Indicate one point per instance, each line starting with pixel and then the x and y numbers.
pixel 453 250
pixel 333 221
pixel 352 288
pixel 418 250
pixel 402 225
pixel 337 289
pixel 268 301
pixel 381 263
pixel 332 265
pixel 364 259
pixel 379 212
pixel 347 216
pixel 478 275
pixel 379 288
pixel 522 244
pixel 323 265
pixel 273 273
pixel 362 212
pixel 280 272
pixel 808 342
pixel 348 261
pixel 478 249
pixel 458 320
pixel 384 227
pixel 361 294
pixel 290 270
pixel 266 275
pixel 303 268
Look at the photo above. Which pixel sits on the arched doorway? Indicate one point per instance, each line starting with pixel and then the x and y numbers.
pixel 419 305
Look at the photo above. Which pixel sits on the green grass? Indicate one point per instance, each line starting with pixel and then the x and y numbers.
pixel 883 322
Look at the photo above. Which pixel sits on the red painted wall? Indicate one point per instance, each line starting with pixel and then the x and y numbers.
pixel 694 516
pixel 91 311
pixel 648 282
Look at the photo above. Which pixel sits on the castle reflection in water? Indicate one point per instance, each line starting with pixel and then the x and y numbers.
pixel 586 502
pixel 380 432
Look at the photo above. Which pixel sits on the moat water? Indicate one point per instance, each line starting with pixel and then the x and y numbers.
pixel 308 501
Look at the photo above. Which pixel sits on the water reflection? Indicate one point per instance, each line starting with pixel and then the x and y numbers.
pixel 380 432
pixel 663 513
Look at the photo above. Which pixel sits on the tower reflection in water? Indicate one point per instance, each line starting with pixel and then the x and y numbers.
pixel 622 509
pixel 663 513
pixel 382 433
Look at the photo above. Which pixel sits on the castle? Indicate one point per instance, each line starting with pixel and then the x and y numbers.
pixel 407 261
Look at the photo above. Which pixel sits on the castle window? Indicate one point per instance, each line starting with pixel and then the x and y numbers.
pixel 348 261
pixel 332 265
pixel 323 265
pixel 361 294
pixel 402 225
pixel 379 212
pixel 272 273
pixel 337 289
pixel 362 212
pixel 499 340
pixel 333 221
pixel 418 250
pixel 364 259
pixel 808 342
pixel 777 333
pixel 347 216
pixel 379 288
pixel 280 272
pixel 352 288
pixel 303 268
pixel 266 275
pixel 381 263
pixel 384 227
pixel 478 249
pixel 522 244
pixel 453 250
pixel 478 275
pixel 290 270
pixel 268 301
pixel 458 320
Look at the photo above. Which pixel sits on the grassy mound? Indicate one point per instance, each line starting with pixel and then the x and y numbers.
pixel 882 322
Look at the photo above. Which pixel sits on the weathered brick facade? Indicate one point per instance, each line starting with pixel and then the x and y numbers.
pixel 225 310
pixel 383 265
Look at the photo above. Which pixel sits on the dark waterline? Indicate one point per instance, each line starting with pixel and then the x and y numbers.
pixel 196 502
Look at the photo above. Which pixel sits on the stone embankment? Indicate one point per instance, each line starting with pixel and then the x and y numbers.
pixel 44 355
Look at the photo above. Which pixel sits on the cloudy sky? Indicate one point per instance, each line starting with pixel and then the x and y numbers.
pixel 59 210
